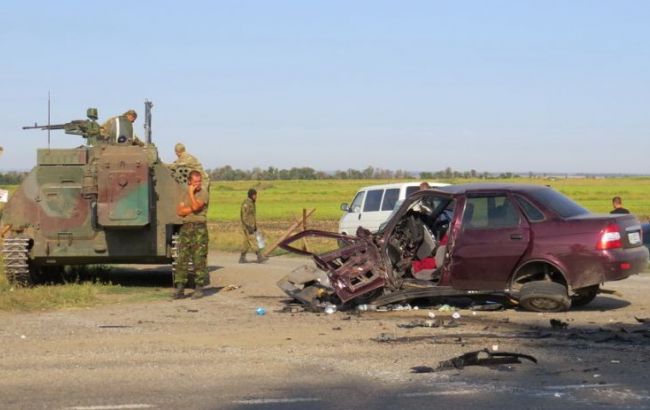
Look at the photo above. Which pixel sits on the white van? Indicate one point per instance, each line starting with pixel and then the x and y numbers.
pixel 373 205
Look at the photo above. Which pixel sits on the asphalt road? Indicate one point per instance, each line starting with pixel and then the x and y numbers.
pixel 217 353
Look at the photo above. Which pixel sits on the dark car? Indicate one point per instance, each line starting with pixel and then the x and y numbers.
pixel 527 243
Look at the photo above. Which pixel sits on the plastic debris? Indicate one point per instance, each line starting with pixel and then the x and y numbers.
pixel 445 308
pixel 260 311
pixel 431 315
pixel 364 307
pixel 329 309
pixel 456 315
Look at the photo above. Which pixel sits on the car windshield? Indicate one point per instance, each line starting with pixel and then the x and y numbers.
pixel 558 203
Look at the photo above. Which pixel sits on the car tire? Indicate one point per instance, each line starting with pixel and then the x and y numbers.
pixel 584 296
pixel 544 296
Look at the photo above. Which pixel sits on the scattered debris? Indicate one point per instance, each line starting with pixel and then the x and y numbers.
pixel 455 315
pixel 445 308
pixel 292 309
pixel 329 309
pixel 386 337
pixel 231 287
pixel 113 326
pixel 260 311
pixel 420 323
pixel 479 358
pixel 558 324
pixel 336 328
pixel 488 306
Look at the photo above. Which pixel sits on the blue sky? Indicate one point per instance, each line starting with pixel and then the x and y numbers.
pixel 543 86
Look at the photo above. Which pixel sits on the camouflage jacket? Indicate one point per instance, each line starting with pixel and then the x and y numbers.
pixel 248 215
pixel 119 130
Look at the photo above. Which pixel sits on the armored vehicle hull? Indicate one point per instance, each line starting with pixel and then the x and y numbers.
pixel 100 204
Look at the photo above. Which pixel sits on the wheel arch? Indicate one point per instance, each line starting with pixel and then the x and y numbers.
pixel 538 269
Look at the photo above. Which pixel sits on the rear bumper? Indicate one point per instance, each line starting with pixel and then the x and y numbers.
pixel 621 263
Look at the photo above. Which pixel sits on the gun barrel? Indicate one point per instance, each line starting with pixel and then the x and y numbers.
pixel 45 127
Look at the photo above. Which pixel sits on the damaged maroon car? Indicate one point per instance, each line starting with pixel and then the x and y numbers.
pixel 527 243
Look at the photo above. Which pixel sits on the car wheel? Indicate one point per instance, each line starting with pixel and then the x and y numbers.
pixel 584 296
pixel 544 296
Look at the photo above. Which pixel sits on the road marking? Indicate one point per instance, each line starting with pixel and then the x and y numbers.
pixel 439 393
pixel 580 386
pixel 113 407
pixel 278 401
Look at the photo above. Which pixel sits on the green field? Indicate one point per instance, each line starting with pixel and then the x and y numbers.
pixel 284 200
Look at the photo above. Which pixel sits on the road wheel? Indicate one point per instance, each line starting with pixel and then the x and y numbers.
pixel 544 296
pixel 584 296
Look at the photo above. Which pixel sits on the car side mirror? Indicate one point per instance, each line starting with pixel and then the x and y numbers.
pixel 344 207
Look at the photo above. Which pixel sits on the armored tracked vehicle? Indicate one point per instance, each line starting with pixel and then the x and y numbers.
pixel 105 202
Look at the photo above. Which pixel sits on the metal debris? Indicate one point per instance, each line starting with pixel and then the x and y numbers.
pixel 479 358
pixel 558 324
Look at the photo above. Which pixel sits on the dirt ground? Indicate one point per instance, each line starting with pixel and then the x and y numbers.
pixel 217 353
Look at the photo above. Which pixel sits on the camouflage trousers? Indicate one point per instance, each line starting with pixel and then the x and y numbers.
pixel 249 242
pixel 192 251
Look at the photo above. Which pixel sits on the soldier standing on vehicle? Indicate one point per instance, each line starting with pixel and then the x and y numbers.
pixel 249 227
pixel 617 203
pixel 193 240
pixel 119 129
pixel 187 160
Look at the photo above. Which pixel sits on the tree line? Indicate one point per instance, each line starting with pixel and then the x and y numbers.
pixel 228 173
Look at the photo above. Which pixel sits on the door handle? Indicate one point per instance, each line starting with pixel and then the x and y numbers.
pixel 516 236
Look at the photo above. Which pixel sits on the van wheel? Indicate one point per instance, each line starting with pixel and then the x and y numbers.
pixel 584 296
pixel 544 296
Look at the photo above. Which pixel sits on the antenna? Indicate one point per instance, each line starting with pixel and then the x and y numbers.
pixel 48 119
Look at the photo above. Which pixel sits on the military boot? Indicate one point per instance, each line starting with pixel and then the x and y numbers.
pixel 261 258
pixel 179 292
pixel 198 292
pixel 242 258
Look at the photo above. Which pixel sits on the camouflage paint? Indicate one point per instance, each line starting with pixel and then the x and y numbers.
pixel 97 204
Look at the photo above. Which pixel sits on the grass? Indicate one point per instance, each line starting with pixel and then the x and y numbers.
pixel 284 200
pixel 71 295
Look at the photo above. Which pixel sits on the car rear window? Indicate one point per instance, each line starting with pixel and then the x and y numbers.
pixel 558 203
pixel 390 199
pixel 373 200
pixel 532 213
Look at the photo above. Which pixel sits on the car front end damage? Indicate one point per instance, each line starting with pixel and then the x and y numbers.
pixel 353 270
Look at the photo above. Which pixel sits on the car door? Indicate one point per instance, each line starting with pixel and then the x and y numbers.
pixel 350 220
pixel 492 238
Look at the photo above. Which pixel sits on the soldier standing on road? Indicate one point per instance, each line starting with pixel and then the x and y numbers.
pixel 119 129
pixel 249 227
pixel 617 203
pixel 193 240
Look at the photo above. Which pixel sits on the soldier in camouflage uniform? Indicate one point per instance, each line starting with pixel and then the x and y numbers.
pixel 186 160
pixel 193 240
pixel 249 227
pixel 119 129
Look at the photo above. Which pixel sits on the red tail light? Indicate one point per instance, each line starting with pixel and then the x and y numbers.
pixel 610 238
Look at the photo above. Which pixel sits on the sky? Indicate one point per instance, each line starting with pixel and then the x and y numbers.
pixel 495 86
